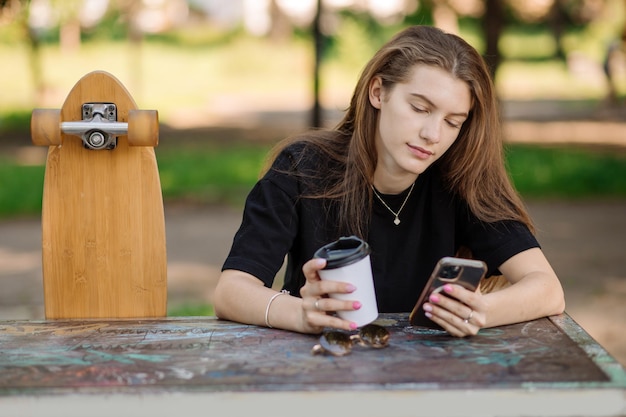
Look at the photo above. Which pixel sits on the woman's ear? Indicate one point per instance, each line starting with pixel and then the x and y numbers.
pixel 376 92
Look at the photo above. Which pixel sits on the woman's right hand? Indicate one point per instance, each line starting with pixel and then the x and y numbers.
pixel 316 305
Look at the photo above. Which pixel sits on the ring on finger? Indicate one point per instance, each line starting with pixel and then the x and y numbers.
pixel 471 314
pixel 317 305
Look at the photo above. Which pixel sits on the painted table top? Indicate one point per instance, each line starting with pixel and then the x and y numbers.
pixel 207 359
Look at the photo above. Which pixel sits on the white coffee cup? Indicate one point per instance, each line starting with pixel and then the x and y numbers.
pixel 348 260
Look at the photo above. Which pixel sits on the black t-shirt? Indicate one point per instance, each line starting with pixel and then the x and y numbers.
pixel 279 220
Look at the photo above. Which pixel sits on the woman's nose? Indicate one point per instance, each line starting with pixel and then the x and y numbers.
pixel 431 129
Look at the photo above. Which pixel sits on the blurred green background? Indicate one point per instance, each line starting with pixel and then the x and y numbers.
pixel 231 78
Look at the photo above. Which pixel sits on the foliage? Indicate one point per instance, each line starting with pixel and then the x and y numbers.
pixel 516 41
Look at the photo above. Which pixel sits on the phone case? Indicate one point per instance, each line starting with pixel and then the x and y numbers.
pixel 449 270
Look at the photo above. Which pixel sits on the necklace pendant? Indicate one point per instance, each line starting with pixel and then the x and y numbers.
pixel 396 221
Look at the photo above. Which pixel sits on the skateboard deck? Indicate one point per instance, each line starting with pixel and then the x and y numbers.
pixel 103 226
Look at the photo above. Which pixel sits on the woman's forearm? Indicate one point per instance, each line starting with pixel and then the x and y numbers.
pixel 537 292
pixel 243 298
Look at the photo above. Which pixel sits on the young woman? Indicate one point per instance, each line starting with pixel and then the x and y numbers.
pixel 416 169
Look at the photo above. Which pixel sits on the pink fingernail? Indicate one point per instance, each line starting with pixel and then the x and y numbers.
pixel 350 288
pixel 428 307
pixel 427 314
pixel 447 288
pixel 353 326
pixel 356 305
pixel 434 298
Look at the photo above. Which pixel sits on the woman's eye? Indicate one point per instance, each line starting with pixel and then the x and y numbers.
pixel 419 109
pixel 454 124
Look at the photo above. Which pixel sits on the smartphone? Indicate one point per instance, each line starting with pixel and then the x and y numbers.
pixel 449 270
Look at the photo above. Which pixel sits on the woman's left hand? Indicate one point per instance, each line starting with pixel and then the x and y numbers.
pixel 459 311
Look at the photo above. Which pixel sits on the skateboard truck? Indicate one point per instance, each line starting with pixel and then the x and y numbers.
pixel 99 128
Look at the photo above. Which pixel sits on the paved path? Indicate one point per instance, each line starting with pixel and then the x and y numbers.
pixel 584 241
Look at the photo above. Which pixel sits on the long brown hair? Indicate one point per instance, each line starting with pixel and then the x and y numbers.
pixel 473 167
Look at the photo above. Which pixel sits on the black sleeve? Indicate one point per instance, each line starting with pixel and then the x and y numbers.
pixel 494 243
pixel 269 224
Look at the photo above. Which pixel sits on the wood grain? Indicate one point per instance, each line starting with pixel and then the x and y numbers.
pixel 103 228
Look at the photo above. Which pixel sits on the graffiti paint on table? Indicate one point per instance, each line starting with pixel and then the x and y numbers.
pixel 209 354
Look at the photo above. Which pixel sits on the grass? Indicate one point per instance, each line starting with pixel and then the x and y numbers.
pixel 207 175
pixel 223 174
pixel 211 174
pixel 20 188
pixel 187 310
pixel 568 173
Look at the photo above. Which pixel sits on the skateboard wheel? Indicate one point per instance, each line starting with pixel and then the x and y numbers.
pixel 143 128
pixel 45 127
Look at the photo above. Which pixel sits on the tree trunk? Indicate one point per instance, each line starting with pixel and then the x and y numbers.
pixel 493 20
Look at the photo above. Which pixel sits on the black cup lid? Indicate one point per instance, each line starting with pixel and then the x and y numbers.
pixel 342 252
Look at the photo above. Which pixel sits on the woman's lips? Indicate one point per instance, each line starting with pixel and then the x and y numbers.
pixel 419 152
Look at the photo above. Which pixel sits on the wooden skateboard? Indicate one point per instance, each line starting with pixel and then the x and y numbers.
pixel 103 226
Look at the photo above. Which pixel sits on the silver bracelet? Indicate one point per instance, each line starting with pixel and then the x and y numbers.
pixel 269 303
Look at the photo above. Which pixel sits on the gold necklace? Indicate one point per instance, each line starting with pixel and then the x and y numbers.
pixel 396 221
